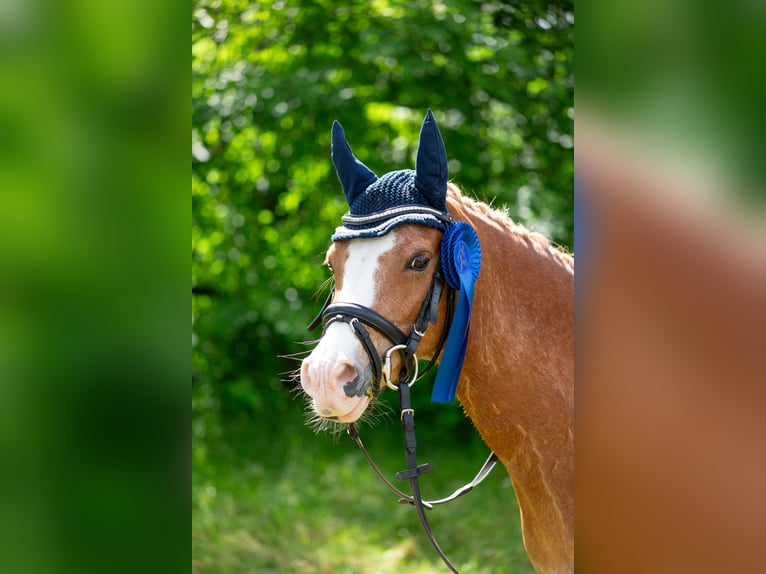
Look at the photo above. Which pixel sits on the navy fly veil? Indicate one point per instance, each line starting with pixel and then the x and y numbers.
pixel 379 204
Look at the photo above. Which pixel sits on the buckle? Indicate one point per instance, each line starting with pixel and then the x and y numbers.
pixel 386 369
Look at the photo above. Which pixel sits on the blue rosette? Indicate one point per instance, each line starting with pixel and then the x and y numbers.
pixel 461 263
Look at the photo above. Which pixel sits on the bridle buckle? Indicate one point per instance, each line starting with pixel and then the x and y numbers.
pixel 386 368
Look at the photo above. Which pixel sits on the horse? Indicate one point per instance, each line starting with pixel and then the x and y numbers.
pixel 517 378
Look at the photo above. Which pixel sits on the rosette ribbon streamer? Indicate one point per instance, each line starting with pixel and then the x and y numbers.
pixel 461 263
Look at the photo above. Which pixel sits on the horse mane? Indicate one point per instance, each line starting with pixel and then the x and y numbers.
pixel 522 398
pixel 466 205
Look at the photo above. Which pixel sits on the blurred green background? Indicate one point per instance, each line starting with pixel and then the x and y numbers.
pixel 267 81
pixel 94 431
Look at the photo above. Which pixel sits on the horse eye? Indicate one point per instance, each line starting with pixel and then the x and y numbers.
pixel 419 262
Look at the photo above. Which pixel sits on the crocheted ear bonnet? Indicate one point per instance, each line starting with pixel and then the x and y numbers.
pixel 379 204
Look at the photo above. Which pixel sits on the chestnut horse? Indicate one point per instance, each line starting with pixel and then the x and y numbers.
pixel 517 378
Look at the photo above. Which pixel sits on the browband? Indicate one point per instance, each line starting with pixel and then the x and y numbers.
pixel 392 212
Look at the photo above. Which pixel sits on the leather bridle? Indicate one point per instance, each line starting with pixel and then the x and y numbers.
pixel 359 317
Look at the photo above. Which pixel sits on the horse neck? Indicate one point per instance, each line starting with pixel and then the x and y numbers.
pixel 517 383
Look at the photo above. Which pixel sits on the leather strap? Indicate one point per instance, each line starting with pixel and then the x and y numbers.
pixel 318 319
pixel 413 471
pixel 369 348
pixel 347 312
pixel 445 330
pixel 366 316
pixel 484 471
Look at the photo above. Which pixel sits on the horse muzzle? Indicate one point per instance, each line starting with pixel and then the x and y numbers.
pixel 338 385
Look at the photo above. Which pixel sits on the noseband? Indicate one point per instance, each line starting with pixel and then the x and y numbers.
pixel 359 316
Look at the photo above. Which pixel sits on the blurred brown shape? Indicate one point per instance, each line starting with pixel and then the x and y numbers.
pixel 671 367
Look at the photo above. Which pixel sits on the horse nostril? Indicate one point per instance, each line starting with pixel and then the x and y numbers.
pixel 349 378
pixel 347 373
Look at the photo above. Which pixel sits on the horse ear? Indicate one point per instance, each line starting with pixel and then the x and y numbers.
pixel 431 164
pixel 354 176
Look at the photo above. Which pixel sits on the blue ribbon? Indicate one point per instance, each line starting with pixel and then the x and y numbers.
pixel 461 262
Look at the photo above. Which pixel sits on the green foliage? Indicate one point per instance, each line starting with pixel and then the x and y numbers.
pixel 267 81
pixel 295 511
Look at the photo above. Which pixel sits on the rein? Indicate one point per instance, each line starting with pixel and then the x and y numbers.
pixel 357 316
pixel 414 470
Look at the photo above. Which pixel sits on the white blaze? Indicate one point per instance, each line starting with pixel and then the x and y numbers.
pixel 359 270
pixel 339 345
pixel 358 287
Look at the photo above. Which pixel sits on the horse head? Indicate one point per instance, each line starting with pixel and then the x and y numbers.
pixel 385 261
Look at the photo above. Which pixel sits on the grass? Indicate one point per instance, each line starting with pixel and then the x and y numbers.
pixel 281 499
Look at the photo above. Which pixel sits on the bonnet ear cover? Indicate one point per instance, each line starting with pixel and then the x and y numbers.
pixel 354 176
pixel 431 164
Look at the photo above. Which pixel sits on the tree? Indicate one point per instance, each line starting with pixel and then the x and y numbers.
pixel 267 82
